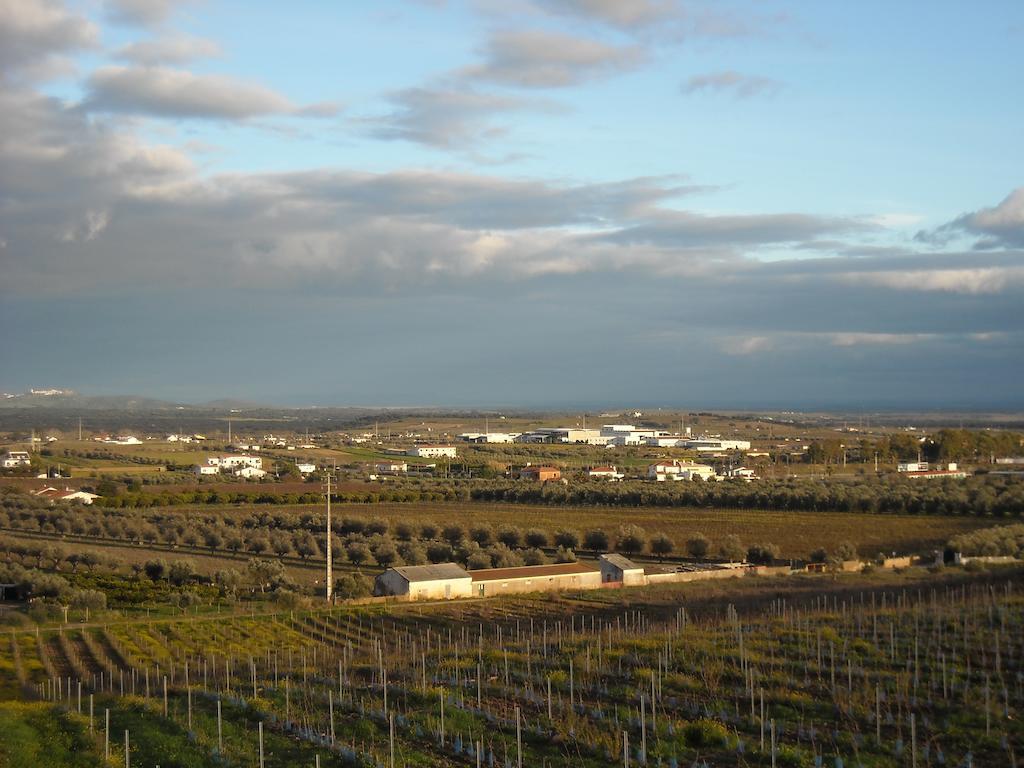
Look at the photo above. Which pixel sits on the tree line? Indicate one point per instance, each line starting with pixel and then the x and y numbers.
pixel 983 495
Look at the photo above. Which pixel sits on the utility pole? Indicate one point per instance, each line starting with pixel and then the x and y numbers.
pixel 229 431
pixel 330 564
pixel 79 429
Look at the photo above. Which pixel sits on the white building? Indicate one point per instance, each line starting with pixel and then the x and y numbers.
pixel 626 434
pixel 306 469
pixel 680 470
pixel 54 494
pixel 489 437
pixel 205 469
pixel 442 581
pixel 123 440
pixel 912 466
pixel 433 451
pixel 610 473
pixel 618 569
pixel 391 467
pixel 14 459
pixel 563 435
pixel 249 472
pixel 742 473
pixel 714 444
pixel 234 462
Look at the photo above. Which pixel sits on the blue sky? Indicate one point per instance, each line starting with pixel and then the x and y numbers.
pixel 521 203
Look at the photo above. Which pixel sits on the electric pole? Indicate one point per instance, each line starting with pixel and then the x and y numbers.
pixel 330 564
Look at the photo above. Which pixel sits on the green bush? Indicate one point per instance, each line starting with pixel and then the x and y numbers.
pixel 705 733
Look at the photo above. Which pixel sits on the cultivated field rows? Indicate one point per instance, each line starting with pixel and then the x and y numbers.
pixel 880 678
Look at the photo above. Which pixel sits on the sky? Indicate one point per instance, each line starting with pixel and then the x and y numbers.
pixel 560 203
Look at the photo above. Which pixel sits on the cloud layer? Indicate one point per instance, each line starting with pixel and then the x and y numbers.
pixel 175 93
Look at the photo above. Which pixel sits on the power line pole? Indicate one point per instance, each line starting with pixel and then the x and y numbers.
pixel 330 564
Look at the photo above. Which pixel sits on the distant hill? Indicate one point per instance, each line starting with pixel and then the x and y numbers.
pixel 86 402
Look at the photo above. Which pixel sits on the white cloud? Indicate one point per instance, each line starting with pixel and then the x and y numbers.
pixel 35 32
pixel 177 49
pixel 854 339
pixel 740 85
pixel 142 12
pixel 979 280
pixel 166 92
pixel 541 59
pixel 747 345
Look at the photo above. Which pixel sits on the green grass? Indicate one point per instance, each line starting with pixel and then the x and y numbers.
pixel 41 735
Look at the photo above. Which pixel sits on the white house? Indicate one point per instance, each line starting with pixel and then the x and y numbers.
pixel 425 582
pixel 206 469
pixel 306 469
pixel 391 467
pixel 679 470
pixel 54 494
pixel 609 473
pixel 742 473
pixel 912 466
pixel 433 451
pixel 233 462
pixel 250 472
pixel 123 440
pixel 14 459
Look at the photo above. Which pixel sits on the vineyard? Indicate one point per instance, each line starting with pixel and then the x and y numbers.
pixel 916 673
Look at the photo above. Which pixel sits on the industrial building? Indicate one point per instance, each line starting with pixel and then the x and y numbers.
pixel 563 435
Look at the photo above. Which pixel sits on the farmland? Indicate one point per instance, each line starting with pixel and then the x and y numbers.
pixel 882 670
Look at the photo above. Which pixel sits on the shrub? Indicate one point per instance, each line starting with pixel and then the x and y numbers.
pixel 536 538
pixel 534 557
pixel 762 554
pixel 596 540
pixel 352 585
pixel 706 733
pixel 632 539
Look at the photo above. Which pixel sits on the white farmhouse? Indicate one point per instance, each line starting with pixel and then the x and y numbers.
pixel 442 581
pixel 609 473
pixel 206 469
pixel 433 451
pixel 743 473
pixel 250 472
pixel 233 462
pixel 306 469
pixel 680 470
pixel 54 494
pixel 14 459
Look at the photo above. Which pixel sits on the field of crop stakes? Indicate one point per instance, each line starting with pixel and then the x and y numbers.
pixel 909 677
